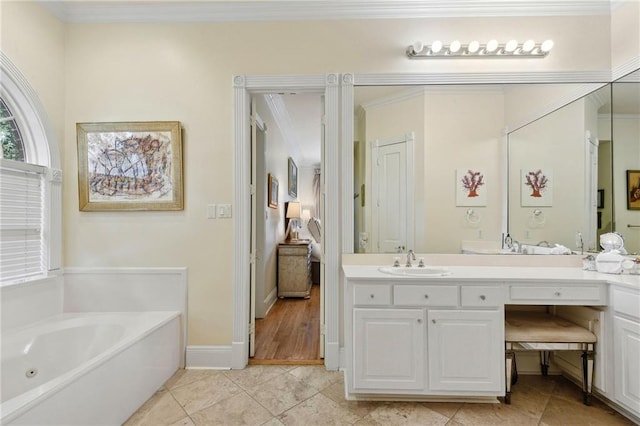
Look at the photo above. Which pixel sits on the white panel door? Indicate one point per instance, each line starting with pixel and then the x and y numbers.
pixel 466 350
pixel 388 349
pixel 391 178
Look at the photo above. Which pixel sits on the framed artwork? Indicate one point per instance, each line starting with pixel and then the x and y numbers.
pixel 470 188
pixel 633 189
pixel 272 199
pixel 130 166
pixel 601 198
pixel 536 188
pixel 293 178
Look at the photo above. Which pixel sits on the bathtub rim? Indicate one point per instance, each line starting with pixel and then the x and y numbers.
pixel 20 404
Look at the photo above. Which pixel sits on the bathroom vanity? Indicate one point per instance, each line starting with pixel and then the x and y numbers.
pixel 440 336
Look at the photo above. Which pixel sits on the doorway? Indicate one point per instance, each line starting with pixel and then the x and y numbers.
pixel 244 86
pixel 286 133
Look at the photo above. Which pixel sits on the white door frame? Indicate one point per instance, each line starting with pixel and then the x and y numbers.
pixel 244 86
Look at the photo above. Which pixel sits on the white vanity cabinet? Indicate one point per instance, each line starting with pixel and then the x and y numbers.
pixel 626 341
pixel 389 348
pixel 464 349
pixel 423 338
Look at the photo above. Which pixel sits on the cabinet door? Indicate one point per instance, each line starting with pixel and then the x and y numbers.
pixel 466 350
pixel 388 348
pixel 627 364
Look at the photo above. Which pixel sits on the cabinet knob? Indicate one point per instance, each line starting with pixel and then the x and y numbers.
pixel 371 296
pixel 557 293
pixel 426 296
pixel 419 320
pixel 482 297
pixel 433 321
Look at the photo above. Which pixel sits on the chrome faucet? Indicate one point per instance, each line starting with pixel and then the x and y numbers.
pixel 410 256
pixel 543 244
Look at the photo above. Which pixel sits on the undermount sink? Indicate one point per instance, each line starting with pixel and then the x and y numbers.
pixel 415 271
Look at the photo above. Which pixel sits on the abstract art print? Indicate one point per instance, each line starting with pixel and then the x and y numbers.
pixel 130 166
pixel 470 188
pixel 537 188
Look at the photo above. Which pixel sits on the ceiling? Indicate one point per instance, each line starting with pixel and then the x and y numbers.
pixel 87 11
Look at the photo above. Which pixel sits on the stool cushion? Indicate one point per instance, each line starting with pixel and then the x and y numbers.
pixel 541 327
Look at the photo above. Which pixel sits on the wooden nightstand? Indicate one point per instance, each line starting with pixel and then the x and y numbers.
pixel 294 269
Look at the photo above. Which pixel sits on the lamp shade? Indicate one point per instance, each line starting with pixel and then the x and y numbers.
pixel 293 210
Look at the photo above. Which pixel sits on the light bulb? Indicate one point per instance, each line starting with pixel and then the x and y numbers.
pixel 436 46
pixel 511 46
pixel 528 46
pixel 417 47
pixel 547 45
pixel 473 47
pixel 492 45
pixel 454 47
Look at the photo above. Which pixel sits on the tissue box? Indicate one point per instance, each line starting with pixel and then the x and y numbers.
pixel 609 262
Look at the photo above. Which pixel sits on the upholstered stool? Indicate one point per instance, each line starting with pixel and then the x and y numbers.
pixel 543 332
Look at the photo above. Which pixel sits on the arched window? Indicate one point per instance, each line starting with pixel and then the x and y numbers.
pixel 12 145
pixel 30 183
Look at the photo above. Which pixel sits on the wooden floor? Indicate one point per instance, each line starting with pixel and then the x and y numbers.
pixel 290 333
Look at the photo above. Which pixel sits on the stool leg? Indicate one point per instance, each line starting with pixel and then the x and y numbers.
pixel 587 376
pixel 509 358
pixel 514 379
pixel 544 362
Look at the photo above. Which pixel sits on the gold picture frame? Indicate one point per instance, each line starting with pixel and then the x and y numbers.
pixel 272 192
pixel 125 166
pixel 633 189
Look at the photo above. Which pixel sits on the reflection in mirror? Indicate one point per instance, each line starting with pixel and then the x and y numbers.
pixel 445 134
pixel 414 143
pixel 626 157
pixel 558 165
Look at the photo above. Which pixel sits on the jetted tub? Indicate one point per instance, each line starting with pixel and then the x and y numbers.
pixel 87 368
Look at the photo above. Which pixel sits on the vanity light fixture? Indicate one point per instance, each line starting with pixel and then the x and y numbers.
pixel 474 49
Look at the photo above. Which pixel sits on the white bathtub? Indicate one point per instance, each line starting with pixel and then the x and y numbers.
pixel 86 368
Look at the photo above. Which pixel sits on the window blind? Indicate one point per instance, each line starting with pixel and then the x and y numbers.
pixel 22 251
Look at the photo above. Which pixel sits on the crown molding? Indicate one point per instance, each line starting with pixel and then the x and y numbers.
pixel 287 10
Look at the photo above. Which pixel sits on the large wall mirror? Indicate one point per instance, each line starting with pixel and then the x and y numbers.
pixel 432 170
pixel 625 134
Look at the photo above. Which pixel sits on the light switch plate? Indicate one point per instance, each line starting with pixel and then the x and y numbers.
pixel 224 211
pixel 211 211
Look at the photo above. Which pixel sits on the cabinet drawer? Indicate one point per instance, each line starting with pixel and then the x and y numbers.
pixel 478 296
pixel 293 250
pixel 371 294
pixel 626 303
pixel 553 294
pixel 425 295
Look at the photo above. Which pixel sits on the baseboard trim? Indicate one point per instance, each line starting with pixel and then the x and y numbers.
pixel 209 357
pixel 271 300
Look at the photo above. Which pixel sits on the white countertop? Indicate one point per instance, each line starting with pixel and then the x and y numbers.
pixel 497 273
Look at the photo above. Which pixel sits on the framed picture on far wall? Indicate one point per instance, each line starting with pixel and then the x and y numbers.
pixel 633 189
pixel 130 166
pixel 273 192
pixel 293 178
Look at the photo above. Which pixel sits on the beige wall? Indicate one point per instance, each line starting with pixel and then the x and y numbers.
pixel 115 72
pixel 462 131
pixel 547 144
pixel 34 41
pixel 625 33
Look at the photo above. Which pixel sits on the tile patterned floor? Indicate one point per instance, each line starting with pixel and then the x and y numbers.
pixel 309 395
